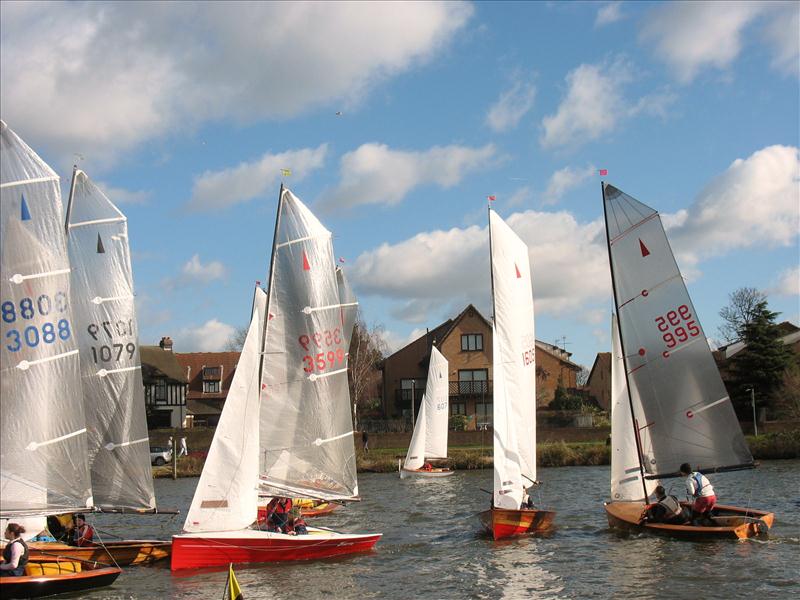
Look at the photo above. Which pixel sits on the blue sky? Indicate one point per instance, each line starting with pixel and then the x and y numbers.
pixel 187 112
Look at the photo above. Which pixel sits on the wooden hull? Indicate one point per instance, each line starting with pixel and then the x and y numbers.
pixel 216 549
pixel 503 523
pixel 406 473
pixel 733 522
pixel 320 510
pixel 37 586
pixel 124 553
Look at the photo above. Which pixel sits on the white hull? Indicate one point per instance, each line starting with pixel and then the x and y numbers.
pixel 407 473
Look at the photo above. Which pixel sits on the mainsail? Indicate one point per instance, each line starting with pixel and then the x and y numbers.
pixel 306 433
pixel 514 368
pixel 43 456
pixel 626 470
pixel 686 410
pixel 107 335
pixel 226 498
pixel 429 439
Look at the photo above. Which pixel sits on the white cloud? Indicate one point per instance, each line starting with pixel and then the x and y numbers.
pixel 513 104
pixel 692 36
pixel 755 202
pixel 395 341
pixel 122 196
pixel 520 196
pixel 194 272
pixel 377 174
pixel 211 336
pixel 566 179
pixel 99 78
pixel 609 13
pixel 222 189
pixel 788 283
pixel 595 105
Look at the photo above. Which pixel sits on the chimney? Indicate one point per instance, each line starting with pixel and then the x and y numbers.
pixel 166 343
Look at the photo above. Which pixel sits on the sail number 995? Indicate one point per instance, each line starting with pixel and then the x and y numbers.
pixel 677 326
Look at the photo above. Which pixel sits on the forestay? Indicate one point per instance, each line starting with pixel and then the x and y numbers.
pixel 686 410
pixel 107 335
pixel 626 473
pixel 307 447
pixel 429 439
pixel 43 456
pixel 514 365
pixel 226 498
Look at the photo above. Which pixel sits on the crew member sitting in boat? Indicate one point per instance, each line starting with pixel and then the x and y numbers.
pixel 699 489
pixel 427 467
pixel 667 510
pixel 278 511
pixel 527 500
pixel 82 532
pixel 297 525
pixel 15 554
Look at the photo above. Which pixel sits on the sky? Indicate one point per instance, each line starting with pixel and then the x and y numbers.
pixel 397 122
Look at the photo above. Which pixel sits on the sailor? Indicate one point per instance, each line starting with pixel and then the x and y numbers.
pixel 700 491
pixel 278 511
pixel 527 501
pixel 666 510
pixel 82 533
pixel 15 554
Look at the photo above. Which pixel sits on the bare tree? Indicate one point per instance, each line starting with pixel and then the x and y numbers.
pixel 742 308
pixel 235 343
pixel 582 377
pixel 367 349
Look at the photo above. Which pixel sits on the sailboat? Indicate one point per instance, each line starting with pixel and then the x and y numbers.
pixel 429 440
pixel 677 407
pixel 286 428
pixel 44 466
pixel 514 368
pixel 107 334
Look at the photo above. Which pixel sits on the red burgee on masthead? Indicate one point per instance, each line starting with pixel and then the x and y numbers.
pixel 306 266
pixel 643 248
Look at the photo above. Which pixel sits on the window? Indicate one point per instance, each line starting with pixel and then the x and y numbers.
pixel 458 408
pixel 484 412
pixel 473 381
pixel 212 373
pixel 160 391
pixel 471 342
pixel 211 387
pixel 406 385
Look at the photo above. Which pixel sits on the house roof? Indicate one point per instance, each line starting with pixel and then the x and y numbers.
pixel 194 363
pixel 204 406
pixel 790 334
pixel 558 353
pixel 162 361
pixel 469 311
pixel 602 362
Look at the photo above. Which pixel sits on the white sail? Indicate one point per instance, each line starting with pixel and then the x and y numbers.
pixel 349 307
pixel 429 439
pixel 226 498
pixel 415 457
pixel 626 474
pixel 306 433
pixel 107 334
pixel 514 365
pixel 687 412
pixel 43 456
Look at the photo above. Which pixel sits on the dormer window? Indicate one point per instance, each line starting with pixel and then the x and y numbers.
pixel 212 380
pixel 472 342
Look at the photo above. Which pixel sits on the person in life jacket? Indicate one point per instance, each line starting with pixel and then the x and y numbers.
pixel 700 490
pixel 15 554
pixel 82 532
pixel 667 510
pixel 427 467
pixel 278 511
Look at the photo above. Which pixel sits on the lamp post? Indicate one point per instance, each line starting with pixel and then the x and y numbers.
pixel 413 393
pixel 752 391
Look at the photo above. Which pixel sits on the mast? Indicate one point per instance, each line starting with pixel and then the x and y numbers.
pixel 491 270
pixel 71 196
pixel 270 281
pixel 622 347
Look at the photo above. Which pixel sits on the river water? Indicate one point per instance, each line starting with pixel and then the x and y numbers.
pixel 432 546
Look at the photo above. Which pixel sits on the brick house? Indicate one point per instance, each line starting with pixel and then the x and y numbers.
pixel 466 342
pixel 209 375
pixel 599 382
pixel 164 382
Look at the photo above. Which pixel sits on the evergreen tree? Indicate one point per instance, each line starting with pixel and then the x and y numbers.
pixel 761 364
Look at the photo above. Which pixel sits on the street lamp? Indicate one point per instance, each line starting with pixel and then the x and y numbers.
pixel 753 404
pixel 413 393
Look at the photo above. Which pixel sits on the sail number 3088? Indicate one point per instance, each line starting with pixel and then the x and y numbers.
pixel 329 354
pixel 677 326
pixel 32 335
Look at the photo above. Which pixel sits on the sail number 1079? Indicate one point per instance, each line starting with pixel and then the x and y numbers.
pixel 677 326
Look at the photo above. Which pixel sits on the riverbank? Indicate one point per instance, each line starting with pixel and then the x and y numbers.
pixel 783 445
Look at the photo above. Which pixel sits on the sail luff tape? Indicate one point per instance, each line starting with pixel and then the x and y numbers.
pixel 35 445
pixel 19 278
pixel 111 445
pixel 98 221
pixel 303 239
pixel 9 184
pixel 104 372
pixel 314 376
pixel 308 310
pixel 24 365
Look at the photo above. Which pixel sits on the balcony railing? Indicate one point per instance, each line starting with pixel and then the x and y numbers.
pixel 470 388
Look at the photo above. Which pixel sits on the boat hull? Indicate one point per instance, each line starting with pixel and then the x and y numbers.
pixel 37 586
pixel 215 549
pixel 124 553
pixel 734 522
pixel 503 523
pixel 408 473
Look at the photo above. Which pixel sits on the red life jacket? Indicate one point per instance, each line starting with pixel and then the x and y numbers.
pixel 283 505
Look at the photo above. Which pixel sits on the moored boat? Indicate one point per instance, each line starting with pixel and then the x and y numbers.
pixel 49 577
pixel 123 553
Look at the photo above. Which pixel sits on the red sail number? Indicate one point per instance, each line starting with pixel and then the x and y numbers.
pixel 677 326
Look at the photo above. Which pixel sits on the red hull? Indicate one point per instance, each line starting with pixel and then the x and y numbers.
pixel 191 552
pixel 504 523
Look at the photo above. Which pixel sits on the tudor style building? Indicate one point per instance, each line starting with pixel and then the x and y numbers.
pixel 164 385
pixel 466 342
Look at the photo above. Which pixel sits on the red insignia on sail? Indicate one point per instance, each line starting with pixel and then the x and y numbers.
pixel 306 266
pixel 519 275
pixel 643 248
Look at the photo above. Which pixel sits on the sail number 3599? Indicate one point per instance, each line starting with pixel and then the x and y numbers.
pixel 326 341
pixel 677 326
